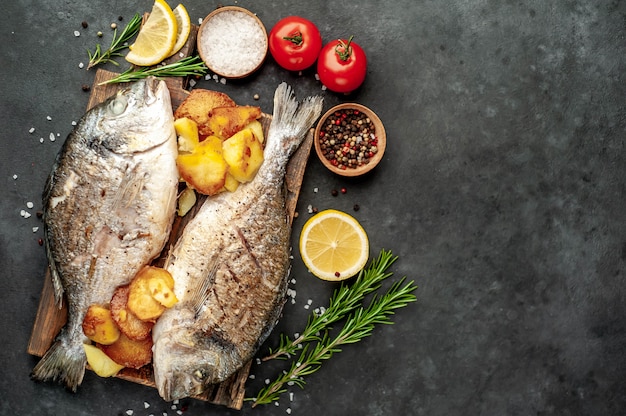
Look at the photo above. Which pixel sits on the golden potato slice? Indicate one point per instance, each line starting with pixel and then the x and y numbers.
pixel 129 352
pixel 128 323
pixel 257 130
pixel 198 105
pixel 205 168
pixel 186 201
pixel 99 326
pixel 100 363
pixel 145 296
pixel 187 132
pixel 226 121
pixel 231 184
pixel 243 154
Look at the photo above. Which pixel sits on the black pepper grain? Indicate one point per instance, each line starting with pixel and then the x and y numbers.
pixel 85 87
pixel 334 192
pixel 356 207
pixel 84 24
pixel 348 139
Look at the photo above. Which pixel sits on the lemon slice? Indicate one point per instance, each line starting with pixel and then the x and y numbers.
pixel 183 23
pixel 156 37
pixel 333 245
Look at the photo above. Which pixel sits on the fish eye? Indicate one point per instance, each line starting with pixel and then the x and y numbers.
pixel 118 105
pixel 200 374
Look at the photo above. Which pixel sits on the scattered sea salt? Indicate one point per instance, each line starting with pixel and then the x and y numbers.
pixel 25 213
pixel 146 405
pixel 307 306
pixel 310 301
pixel 291 396
pixel 32 130
pixel 81 65
pixel 251 376
pixel 14 176
pixel 192 82
pixel 179 412
pixel 35 229
pixel 41 140
pixel 76 33
pixel 73 123
pixel 29 204
pixel 317 77
pixel 223 81
pixel 309 208
pixel 48 118
pixel 207 77
pixel 293 281
pixel 52 138
pixel 276 404
pixel 233 55
pixel 129 412
pixel 315 190
pixel 288 410
pixel 258 361
pixel 267 381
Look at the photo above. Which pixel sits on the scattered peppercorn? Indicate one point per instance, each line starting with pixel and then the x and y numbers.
pixel 356 207
pixel 314 209
pixel 40 241
pixel 348 139
pixel 99 34
pixel 113 25
pixel 337 274
pixel 84 24
pixel 120 18
pixel 344 190
pixel 85 87
pixel 256 96
pixel 39 214
pixel 334 192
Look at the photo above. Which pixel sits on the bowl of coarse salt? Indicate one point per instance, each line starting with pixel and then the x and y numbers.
pixel 232 42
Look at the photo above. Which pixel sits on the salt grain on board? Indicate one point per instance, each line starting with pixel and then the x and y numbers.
pixel 32 130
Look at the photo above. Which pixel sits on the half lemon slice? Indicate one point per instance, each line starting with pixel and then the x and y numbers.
pixel 183 23
pixel 156 38
pixel 333 245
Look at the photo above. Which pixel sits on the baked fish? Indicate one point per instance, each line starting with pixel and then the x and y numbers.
pixel 230 268
pixel 108 207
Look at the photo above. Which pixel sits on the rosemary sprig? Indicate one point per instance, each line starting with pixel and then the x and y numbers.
pixel 358 325
pixel 192 65
pixel 344 300
pixel 117 44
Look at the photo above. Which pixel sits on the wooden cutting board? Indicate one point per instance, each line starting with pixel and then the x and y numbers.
pixel 49 319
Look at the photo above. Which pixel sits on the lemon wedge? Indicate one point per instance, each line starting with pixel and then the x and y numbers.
pixel 333 245
pixel 156 38
pixel 183 23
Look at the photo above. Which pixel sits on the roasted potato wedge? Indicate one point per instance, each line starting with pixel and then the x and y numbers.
pixel 128 323
pixel 100 363
pixel 187 133
pixel 151 292
pixel 99 326
pixel 205 168
pixel 243 154
pixel 226 121
pixel 198 105
pixel 129 352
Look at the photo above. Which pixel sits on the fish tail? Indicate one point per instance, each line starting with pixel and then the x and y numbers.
pixel 291 119
pixel 62 362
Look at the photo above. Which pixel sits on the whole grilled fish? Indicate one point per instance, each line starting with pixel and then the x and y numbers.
pixel 230 268
pixel 109 204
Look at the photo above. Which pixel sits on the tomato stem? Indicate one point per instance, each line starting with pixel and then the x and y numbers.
pixel 296 38
pixel 343 50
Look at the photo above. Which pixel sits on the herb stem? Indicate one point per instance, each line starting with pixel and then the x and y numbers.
pixel 344 300
pixel 192 65
pixel 118 44
pixel 359 324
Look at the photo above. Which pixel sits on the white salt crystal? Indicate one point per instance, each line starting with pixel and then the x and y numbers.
pixel 267 381
pixel 48 118
pixel 251 376
pixel 14 176
pixel 25 213
pixel 192 82
pixel 129 412
pixel 35 229
pixel 315 190
pixel 73 123
pixel 223 81
pixel 306 306
pixel 81 65
pixel 41 140
pixel 32 129
pixel 52 138
pixel 146 405
pixel 276 404
pixel 29 204
pixel 291 396
pixel 288 411
pixel 76 33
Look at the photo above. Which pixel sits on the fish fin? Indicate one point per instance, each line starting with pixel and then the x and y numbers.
pixel 63 363
pixel 54 274
pixel 200 293
pixel 291 118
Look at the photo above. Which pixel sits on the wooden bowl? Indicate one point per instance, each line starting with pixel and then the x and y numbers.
pixel 232 42
pixel 379 133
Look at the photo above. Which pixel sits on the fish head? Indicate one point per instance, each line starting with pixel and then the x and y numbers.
pixel 185 364
pixel 136 119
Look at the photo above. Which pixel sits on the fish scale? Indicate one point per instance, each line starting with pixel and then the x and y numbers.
pixel 230 267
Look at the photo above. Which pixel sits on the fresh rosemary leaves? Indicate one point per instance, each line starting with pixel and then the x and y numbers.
pixel 191 65
pixel 317 344
pixel 118 44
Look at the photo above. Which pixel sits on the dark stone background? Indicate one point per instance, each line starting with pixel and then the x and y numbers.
pixel 502 192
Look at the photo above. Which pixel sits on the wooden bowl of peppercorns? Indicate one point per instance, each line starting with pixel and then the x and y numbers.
pixel 350 139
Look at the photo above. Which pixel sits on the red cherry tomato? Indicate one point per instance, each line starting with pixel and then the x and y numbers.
pixel 342 65
pixel 295 43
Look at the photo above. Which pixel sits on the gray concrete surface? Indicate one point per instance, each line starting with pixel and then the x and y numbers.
pixel 502 192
